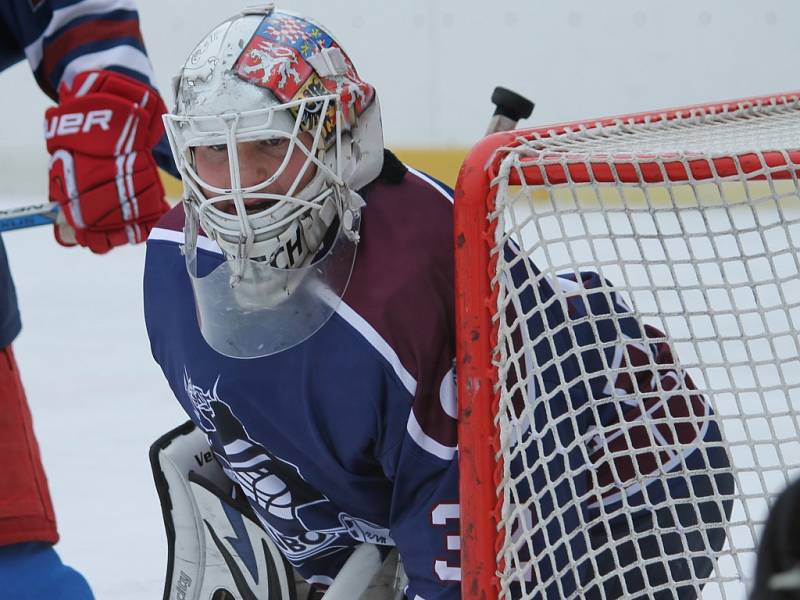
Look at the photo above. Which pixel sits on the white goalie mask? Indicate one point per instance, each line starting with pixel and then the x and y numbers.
pixel 272 132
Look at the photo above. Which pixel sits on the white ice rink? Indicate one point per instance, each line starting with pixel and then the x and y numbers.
pixel 98 400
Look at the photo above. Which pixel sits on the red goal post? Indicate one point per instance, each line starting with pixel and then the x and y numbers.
pixel 543 158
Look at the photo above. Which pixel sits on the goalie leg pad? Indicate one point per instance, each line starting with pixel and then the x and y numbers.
pixel 217 549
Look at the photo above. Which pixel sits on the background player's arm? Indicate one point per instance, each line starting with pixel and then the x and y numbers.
pixel 106 129
pixel 62 38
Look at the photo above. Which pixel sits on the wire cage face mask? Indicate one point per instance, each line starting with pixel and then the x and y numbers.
pixel 250 175
pixel 272 129
pixel 286 223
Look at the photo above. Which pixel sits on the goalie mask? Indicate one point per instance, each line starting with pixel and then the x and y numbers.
pixel 272 132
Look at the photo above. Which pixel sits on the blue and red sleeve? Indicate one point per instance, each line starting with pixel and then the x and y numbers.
pixel 61 38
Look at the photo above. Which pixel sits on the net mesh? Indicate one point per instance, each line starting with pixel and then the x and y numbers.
pixel 648 371
pixel 724 132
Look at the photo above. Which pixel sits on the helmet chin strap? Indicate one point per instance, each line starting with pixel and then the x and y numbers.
pixel 298 245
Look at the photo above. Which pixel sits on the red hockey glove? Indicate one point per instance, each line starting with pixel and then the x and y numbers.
pixel 102 171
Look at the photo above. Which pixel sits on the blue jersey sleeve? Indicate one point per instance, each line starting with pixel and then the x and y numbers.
pixel 406 293
pixel 61 38
pixel 423 468
pixel 425 522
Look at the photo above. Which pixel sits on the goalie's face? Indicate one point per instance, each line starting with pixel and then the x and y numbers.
pixel 272 131
pixel 278 161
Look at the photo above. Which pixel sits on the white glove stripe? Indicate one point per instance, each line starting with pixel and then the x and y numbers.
pixel 123 169
pixel 88 82
pixel 123 135
pixel 120 181
pixel 128 172
pixel 132 136
pixel 68 165
pixel 134 203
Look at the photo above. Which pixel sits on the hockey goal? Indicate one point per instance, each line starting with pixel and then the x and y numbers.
pixel 663 247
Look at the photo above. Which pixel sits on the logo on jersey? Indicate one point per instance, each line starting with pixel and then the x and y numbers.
pixel 364 531
pixel 302 521
pixel 201 402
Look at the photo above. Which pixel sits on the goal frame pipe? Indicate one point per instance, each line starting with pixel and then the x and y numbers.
pixel 476 303
pixel 475 341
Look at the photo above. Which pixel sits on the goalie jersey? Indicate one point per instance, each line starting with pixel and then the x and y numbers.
pixel 350 436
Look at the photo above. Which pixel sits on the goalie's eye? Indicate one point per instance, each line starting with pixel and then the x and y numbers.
pixel 213 154
pixel 274 142
pixel 272 147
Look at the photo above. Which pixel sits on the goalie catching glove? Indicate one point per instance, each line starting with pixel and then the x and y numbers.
pixel 102 172
pixel 217 549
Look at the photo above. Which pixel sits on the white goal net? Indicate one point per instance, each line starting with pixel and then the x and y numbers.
pixel 645 355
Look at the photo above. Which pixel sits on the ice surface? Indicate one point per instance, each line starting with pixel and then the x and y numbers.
pixel 98 400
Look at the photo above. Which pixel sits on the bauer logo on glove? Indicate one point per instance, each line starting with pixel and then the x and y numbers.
pixel 70 123
pixel 102 172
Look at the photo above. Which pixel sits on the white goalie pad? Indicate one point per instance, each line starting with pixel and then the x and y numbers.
pixel 217 550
